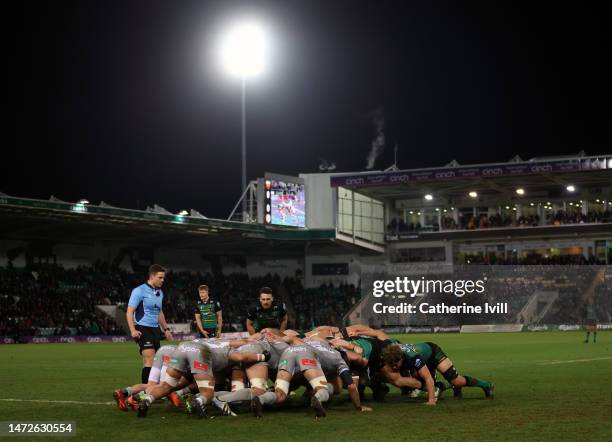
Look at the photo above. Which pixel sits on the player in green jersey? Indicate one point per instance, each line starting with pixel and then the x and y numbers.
pixel 424 359
pixel 208 315
pixel 267 314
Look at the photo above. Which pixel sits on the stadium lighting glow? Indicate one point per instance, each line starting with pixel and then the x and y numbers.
pixel 507 207
pixel 429 197
pixel 83 201
pixel 532 204
pixel 520 191
pixel 183 213
pixel 244 50
pixel 473 194
pixel 570 188
pixel 437 209
pixel 411 212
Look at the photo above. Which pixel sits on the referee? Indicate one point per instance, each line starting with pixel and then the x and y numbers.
pixel 144 316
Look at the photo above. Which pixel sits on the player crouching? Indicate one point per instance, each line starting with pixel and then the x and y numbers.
pixel 424 359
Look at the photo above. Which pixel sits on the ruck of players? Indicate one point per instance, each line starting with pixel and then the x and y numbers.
pixel 264 370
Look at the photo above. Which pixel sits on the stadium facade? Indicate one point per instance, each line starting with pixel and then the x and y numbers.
pixel 541 211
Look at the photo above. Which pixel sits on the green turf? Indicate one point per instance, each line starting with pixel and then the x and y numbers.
pixel 533 401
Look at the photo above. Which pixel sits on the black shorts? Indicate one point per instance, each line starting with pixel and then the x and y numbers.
pixel 149 339
pixel 437 355
pixel 212 333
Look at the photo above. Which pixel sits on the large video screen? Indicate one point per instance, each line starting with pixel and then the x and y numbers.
pixel 285 202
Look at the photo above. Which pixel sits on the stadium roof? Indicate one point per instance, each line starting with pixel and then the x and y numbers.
pixel 454 180
pixel 60 221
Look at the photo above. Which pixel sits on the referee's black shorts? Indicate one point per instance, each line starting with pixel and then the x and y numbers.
pixel 149 339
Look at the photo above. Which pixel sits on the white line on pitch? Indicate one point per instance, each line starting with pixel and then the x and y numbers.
pixel 575 360
pixel 47 401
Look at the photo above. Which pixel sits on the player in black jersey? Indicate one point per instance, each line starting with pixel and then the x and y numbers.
pixel 267 314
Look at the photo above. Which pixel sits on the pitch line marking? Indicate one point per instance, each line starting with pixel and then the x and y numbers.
pixel 48 401
pixel 575 360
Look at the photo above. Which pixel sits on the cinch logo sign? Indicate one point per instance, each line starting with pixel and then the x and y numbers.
pixel 495 171
pixel 541 168
pixel 449 174
pixel 354 181
pixel 399 178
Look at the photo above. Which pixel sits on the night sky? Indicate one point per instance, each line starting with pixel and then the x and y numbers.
pixel 125 101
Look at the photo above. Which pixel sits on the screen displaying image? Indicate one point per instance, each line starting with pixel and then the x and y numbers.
pixel 285 203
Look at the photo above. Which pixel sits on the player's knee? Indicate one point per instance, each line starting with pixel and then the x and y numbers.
pixel 318 383
pixel 206 388
pixel 281 389
pixel 237 385
pixel 170 382
pixel 259 384
pixel 451 375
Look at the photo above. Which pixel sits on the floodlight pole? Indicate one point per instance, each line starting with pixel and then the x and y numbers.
pixel 244 153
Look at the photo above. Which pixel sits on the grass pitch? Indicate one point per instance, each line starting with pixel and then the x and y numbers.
pixel 548 386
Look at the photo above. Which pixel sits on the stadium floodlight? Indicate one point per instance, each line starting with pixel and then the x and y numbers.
pixel 520 191
pixel 570 188
pixel 429 197
pixel 244 52
pixel 83 201
pixel 473 194
pixel 183 213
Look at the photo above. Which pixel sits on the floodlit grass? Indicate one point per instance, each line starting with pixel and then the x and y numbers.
pixel 535 397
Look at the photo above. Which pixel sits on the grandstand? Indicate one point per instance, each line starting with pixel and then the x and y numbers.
pixel 436 221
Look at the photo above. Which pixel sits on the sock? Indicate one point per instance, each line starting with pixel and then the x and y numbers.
pixel 243 394
pixel 127 391
pixel 587 338
pixel 594 337
pixel 330 389
pixel 183 391
pixel 475 382
pixel 322 395
pixel 268 398
pixel 144 376
pixel 148 399
pixel 201 399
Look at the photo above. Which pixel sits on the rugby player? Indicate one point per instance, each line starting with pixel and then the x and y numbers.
pixel 144 316
pixel 157 375
pixel 268 314
pixel 336 369
pixel 255 373
pixel 202 360
pixel 208 315
pixel 299 358
pixel 591 323
pixel 425 358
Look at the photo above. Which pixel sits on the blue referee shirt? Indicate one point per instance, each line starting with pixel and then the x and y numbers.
pixel 147 304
